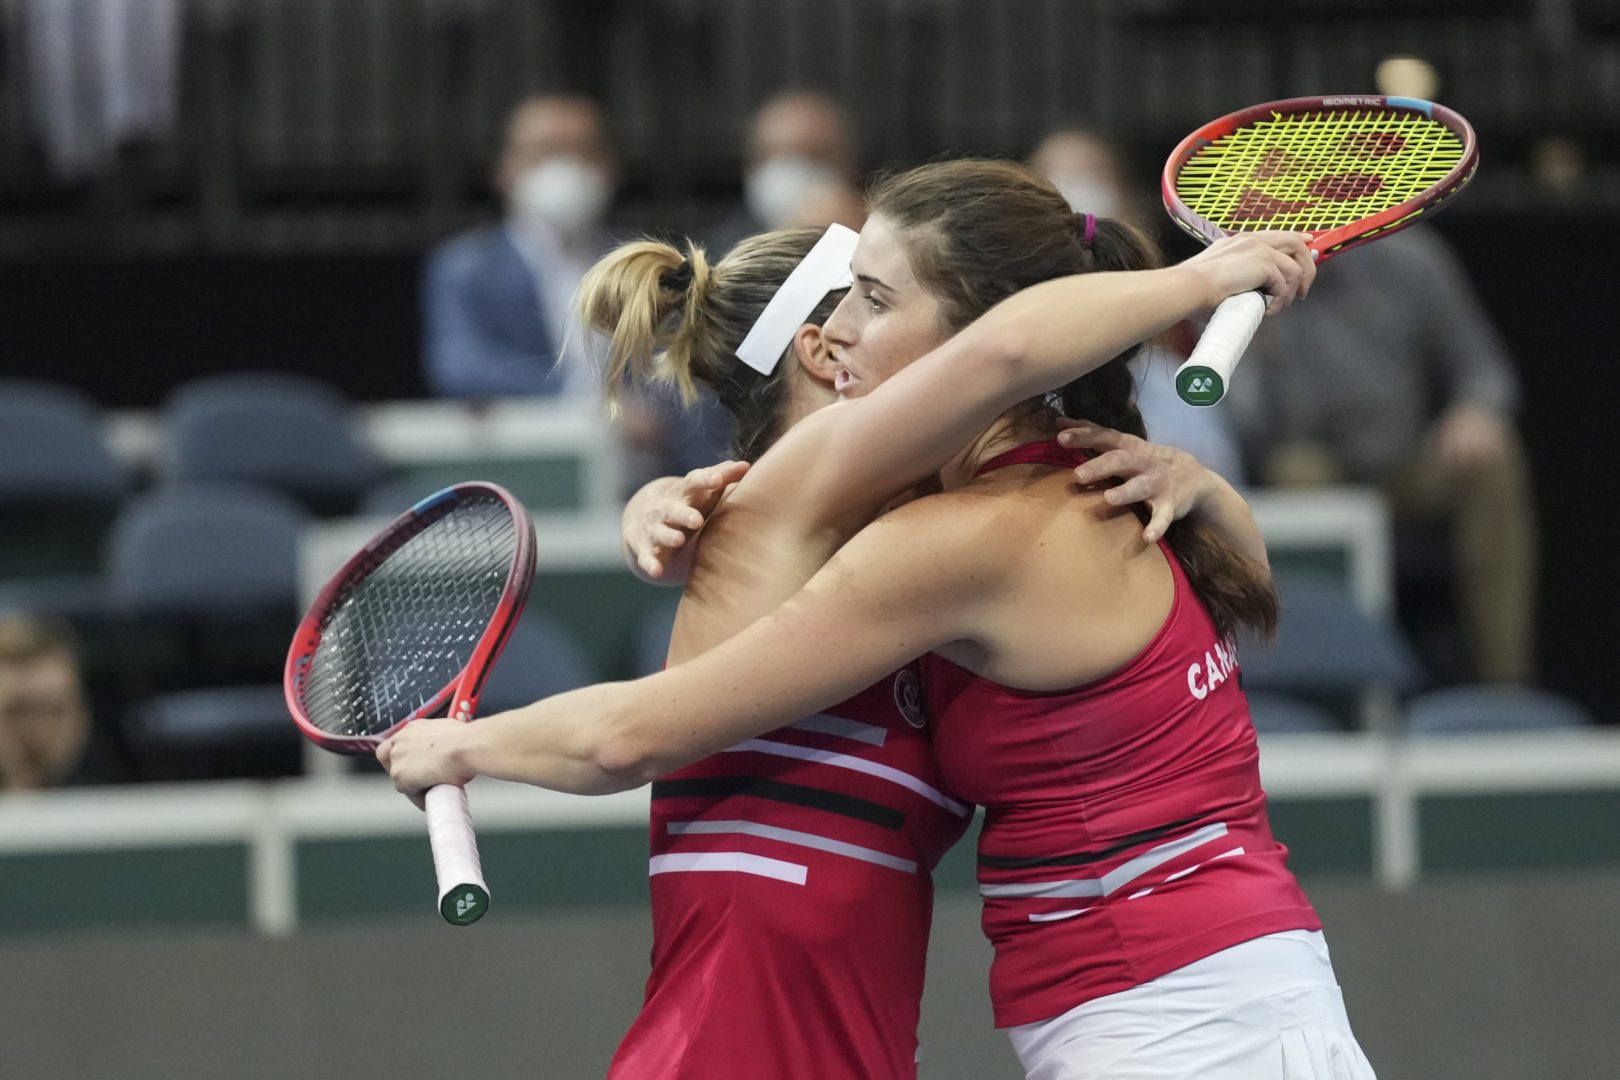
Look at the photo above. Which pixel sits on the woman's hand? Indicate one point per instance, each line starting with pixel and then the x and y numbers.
pixel 1273 262
pixel 425 753
pixel 1171 482
pixel 662 516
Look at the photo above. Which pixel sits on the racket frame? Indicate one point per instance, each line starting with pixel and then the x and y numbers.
pixel 463 895
pixel 465 688
pixel 1324 243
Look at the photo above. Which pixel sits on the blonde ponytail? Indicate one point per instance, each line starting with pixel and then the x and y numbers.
pixel 651 304
pixel 678 320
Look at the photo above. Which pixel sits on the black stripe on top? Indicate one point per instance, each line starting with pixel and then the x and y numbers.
pixel 1002 862
pixel 777 791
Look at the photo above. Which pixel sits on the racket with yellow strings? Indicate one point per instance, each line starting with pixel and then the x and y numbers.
pixel 1344 169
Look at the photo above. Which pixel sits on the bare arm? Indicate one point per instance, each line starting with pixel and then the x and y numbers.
pixel 859 453
pixel 901 587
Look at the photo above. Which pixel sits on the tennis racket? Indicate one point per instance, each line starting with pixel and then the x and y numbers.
pixel 409 628
pixel 1346 170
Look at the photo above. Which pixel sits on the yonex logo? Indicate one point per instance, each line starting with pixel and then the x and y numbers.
pixel 466 902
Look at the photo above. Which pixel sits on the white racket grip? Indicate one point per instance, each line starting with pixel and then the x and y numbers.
pixel 463 896
pixel 1203 379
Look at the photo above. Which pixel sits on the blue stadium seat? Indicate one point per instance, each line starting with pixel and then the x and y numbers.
pixel 207 577
pixel 1461 710
pixel 280 431
pixel 540 659
pixel 652 636
pixel 1275 713
pixel 1327 643
pixel 59 485
pixel 206 550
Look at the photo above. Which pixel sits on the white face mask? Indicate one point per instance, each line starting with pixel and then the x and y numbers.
pixel 776 189
pixel 565 193
pixel 1088 195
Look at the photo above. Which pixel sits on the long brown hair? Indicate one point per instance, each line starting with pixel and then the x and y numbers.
pixel 672 317
pixel 976 232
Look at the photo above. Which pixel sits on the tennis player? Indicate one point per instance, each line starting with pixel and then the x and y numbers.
pixel 1008 356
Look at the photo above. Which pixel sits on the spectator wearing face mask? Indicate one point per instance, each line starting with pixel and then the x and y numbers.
pixel 801 170
pixel 1090 173
pixel 496 299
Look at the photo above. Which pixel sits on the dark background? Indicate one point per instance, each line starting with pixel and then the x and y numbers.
pixel 321 149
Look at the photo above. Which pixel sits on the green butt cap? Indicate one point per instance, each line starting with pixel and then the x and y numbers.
pixel 464 905
pixel 1199 385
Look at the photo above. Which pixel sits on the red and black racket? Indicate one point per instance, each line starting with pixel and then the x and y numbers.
pixel 1344 169
pixel 410 628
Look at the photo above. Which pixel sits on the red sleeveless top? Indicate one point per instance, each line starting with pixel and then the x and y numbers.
pixel 1125 830
pixel 791 899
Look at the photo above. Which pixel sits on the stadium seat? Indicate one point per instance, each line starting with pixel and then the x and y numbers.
pixel 1325 642
pixel 1333 654
pixel 540 659
pixel 1275 713
pixel 205 580
pixel 652 636
pixel 215 732
pixel 282 431
pixel 1461 710
pixel 59 485
pixel 206 550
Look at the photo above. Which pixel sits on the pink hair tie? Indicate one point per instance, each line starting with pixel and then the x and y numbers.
pixel 1089 231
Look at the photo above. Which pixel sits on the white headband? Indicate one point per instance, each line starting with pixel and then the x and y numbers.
pixel 826 268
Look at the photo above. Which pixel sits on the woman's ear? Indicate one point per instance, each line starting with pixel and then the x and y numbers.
pixel 810 349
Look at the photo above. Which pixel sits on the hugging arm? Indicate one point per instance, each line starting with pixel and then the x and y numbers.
pixel 901 587
pixel 1040 337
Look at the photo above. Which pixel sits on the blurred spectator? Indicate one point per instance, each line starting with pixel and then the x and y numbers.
pixel 496 299
pixel 102 74
pixel 1391 374
pixel 44 717
pixel 1558 169
pixel 801 169
pixel 1090 173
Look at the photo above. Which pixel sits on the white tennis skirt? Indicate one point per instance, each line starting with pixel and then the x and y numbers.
pixel 1268 1009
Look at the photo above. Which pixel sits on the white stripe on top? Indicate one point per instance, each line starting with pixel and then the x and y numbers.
pixel 1116 878
pixel 727 862
pixel 856 764
pixel 791 836
pixel 843 728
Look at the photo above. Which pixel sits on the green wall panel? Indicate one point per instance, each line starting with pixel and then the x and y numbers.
pixel 526 870
pixel 203 885
pixel 1521 831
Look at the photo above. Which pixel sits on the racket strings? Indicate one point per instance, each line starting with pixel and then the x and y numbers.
pixel 1316 171
pixel 401 633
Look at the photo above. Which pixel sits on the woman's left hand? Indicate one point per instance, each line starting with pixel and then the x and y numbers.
pixel 423 754
pixel 1171 482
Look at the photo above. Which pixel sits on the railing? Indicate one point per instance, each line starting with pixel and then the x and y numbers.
pixel 272 819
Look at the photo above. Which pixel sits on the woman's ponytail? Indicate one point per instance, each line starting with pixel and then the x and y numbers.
pixel 651 303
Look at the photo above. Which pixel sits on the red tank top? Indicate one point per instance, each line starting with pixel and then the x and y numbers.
pixel 1125 830
pixel 791 899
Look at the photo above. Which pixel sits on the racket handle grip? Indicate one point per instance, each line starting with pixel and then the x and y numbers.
pixel 1203 378
pixel 463 896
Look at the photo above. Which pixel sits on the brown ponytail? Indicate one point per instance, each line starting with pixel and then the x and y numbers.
pixel 978 231
pixel 674 318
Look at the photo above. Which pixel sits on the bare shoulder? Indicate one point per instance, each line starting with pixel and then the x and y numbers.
pixel 940 540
